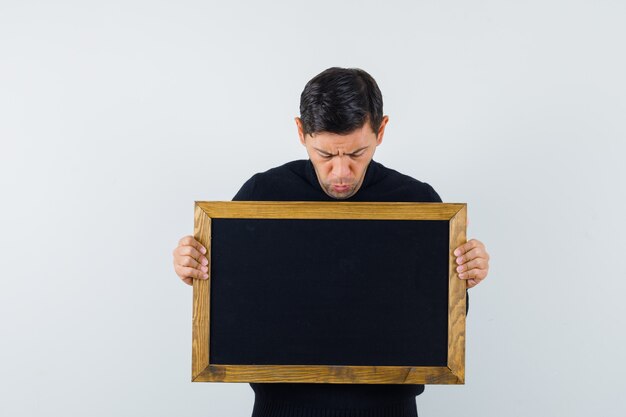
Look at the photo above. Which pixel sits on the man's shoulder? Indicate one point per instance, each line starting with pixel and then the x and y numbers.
pixel 272 183
pixel 292 168
pixel 396 186
pixel 288 172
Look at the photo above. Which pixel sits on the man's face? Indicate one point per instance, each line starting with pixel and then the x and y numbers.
pixel 340 161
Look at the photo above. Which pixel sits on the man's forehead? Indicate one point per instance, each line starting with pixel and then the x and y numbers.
pixel 330 148
pixel 356 139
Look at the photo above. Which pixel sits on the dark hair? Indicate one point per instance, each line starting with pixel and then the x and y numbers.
pixel 340 100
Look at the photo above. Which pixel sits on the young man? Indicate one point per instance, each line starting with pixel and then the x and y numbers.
pixel 341 125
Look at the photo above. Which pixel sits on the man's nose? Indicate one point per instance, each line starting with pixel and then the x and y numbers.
pixel 341 167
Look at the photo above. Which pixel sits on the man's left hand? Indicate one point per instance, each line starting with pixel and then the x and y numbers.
pixel 473 262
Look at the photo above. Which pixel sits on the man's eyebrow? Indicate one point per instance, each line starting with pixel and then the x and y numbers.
pixel 321 151
pixel 358 150
pixel 330 154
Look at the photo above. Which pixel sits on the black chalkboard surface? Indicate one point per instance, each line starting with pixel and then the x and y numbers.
pixel 329 292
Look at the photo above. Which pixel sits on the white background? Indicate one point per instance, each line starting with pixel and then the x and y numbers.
pixel 116 116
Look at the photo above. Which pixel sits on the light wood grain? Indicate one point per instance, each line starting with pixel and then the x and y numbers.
pixel 457 299
pixel 329 374
pixel 329 210
pixel 454 373
pixel 201 299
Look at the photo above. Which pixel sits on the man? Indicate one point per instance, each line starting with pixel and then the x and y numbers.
pixel 341 125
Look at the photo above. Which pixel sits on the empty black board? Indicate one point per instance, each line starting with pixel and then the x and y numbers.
pixel 329 292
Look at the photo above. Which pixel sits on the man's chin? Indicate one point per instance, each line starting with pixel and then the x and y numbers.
pixel 339 195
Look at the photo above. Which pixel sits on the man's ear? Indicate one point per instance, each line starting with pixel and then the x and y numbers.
pixel 300 130
pixel 381 130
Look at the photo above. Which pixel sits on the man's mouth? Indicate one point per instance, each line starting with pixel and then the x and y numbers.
pixel 340 188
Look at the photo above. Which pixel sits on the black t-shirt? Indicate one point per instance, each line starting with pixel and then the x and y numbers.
pixel 297 181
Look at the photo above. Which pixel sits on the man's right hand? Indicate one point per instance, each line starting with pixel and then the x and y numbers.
pixel 189 260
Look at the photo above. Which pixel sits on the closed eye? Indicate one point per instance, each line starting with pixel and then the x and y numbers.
pixel 358 153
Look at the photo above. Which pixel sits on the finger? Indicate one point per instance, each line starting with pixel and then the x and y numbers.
pixel 184 251
pixel 192 263
pixel 476 263
pixel 190 241
pixel 471 254
pixel 467 246
pixel 475 274
pixel 185 272
pixel 473 282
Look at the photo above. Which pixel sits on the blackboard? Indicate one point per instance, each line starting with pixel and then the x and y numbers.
pixel 329 292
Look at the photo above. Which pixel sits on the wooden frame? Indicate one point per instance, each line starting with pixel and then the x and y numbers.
pixel 453 373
